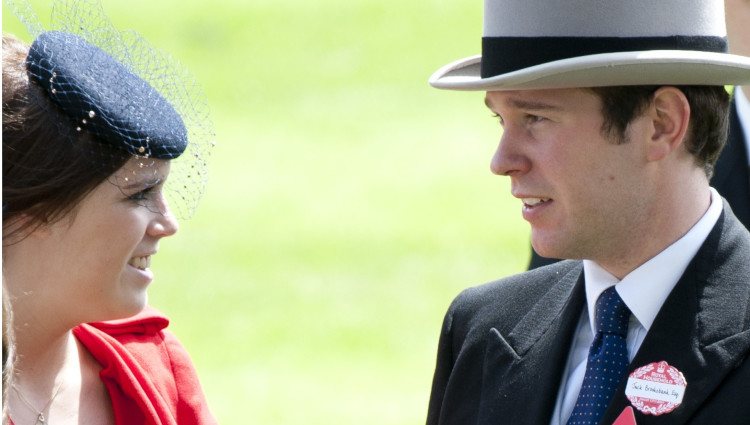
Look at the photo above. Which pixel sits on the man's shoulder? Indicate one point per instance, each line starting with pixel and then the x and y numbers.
pixel 511 297
pixel 522 285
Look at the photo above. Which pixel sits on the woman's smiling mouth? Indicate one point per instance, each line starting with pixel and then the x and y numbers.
pixel 141 263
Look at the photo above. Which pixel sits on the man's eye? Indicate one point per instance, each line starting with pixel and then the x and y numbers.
pixel 532 119
pixel 499 118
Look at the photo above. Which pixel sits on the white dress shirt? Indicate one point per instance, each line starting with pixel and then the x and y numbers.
pixel 743 111
pixel 643 290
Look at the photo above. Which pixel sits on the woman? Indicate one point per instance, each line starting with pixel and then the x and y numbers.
pixel 87 150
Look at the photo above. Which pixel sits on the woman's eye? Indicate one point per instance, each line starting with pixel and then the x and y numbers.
pixel 142 195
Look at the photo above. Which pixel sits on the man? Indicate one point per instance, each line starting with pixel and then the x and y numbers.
pixel 731 177
pixel 613 115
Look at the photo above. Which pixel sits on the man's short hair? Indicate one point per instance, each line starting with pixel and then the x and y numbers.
pixel 709 112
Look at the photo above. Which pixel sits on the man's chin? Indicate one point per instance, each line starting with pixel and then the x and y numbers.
pixel 549 248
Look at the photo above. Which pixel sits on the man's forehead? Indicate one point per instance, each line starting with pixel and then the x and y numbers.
pixel 546 99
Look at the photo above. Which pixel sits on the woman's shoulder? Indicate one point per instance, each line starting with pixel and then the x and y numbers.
pixel 144 336
pixel 148 322
pixel 144 359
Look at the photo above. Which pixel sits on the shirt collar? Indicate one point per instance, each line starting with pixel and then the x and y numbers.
pixel 743 113
pixel 645 289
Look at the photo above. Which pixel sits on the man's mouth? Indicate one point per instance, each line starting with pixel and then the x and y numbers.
pixel 533 202
pixel 141 263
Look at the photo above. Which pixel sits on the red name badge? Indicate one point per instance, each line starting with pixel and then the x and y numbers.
pixel 656 389
pixel 627 417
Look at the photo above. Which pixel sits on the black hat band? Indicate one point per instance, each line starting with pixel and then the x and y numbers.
pixel 501 55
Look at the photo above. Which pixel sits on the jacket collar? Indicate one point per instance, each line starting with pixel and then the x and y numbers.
pixel 522 366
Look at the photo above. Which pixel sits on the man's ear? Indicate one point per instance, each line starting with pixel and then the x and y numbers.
pixel 670 117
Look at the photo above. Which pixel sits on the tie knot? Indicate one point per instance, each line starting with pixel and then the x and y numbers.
pixel 612 315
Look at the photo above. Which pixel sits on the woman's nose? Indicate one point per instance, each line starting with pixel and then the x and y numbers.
pixel 164 223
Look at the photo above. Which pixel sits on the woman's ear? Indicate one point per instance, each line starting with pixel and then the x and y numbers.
pixel 670 117
pixel 23 226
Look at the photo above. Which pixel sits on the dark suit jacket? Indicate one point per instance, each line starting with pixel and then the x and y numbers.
pixel 731 179
pixel 504 345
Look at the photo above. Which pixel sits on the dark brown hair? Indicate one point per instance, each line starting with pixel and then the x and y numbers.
pixel 709 109
pixel 48 166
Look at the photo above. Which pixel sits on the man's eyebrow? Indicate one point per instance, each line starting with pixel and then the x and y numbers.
pixel 529 105
pixel 533 105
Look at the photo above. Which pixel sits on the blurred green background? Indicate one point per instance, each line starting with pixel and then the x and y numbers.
pixel 348 202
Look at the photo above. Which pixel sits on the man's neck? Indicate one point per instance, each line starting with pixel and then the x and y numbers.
pixel 672 217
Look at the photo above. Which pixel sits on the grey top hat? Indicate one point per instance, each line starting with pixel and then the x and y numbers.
pixel 539 44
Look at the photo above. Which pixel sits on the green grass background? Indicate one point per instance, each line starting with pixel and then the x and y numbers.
pixel 348 202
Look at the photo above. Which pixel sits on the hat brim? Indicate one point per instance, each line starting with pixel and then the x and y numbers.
pixel 654 67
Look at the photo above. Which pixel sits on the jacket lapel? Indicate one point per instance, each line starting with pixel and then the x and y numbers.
pixel 522 370
pixel 700 328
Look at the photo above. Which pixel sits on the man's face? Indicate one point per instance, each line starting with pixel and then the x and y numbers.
pixel 738 26
pixel 583 193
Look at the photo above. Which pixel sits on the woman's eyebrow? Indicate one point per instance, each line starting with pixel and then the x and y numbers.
pixel 140 183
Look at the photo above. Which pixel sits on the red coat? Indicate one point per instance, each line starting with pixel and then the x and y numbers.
pixel 147 372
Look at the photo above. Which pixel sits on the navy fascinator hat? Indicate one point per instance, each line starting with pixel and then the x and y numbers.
pixel 104 98
pixel 131 98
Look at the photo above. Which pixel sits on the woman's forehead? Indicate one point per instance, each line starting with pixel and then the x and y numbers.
pixel 139 170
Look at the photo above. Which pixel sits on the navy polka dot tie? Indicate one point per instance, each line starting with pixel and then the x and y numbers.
pixel 607 361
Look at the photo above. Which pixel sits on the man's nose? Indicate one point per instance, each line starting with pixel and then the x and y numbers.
pixel 509 158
